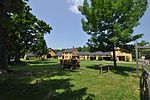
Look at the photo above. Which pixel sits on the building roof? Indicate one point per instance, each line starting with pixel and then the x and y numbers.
pixel 83 53
pixel 100 53
pixel 103 53
pixel 52 49
pixel 59 54
pixel 143 47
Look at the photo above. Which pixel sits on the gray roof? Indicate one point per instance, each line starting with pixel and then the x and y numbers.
pixel 59 54
pixel 144 47
pixel 100 53
pixel 103 53
pixel 83 53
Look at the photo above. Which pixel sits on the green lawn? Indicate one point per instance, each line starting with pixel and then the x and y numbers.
pixel 45 80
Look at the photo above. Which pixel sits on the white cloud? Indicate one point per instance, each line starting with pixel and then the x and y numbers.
pixel 74 5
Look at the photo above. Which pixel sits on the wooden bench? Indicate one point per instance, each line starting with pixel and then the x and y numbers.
pixel 104 67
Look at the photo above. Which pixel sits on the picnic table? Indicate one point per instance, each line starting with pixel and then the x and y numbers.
pixel 103 68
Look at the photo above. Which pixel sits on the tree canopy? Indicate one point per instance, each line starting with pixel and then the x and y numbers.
pixel 20 31
pixel 28 33
pixel 110 23
pixel 83 49
pixel 7 7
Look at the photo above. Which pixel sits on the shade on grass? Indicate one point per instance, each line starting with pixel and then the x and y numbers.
pixel 45 80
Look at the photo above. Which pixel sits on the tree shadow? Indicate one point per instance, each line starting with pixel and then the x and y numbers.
pixel 41 90
pixel 20 63
pixel 39 82
pixel 39 70
pixel 40 62
pixel 122 70
pixel 95 67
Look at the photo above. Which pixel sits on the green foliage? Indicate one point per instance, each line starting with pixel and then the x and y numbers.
pixel 143 43
pixel 79 49
pixel 40 48
pixel 83 49
pixel 28 33
pixel 7 8
pixel 58 50
pixel 110 22
pixel 20 31
pixel 147 56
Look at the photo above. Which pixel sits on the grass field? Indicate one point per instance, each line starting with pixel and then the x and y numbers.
pixel 45 80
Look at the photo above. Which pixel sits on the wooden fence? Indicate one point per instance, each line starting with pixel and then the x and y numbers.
pixel 145 82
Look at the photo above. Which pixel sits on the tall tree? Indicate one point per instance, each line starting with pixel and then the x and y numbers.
pixel 110 22
pixel 18 28
pixel 7 7
pixel 27 33
pixel 40 47
pixel 83 49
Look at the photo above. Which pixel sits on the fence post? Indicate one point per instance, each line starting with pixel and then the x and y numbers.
pixel 136 52
pixel 148 86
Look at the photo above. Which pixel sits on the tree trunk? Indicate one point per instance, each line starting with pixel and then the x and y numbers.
pixel 4 27
pixel 114 57
pixel 3 57
pixel 3 51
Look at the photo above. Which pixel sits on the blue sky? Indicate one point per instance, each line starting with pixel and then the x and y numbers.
pixel 65 20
